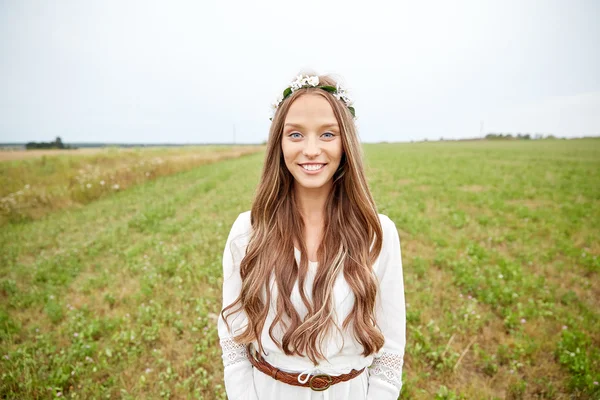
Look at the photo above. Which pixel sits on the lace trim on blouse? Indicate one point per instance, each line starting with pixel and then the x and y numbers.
pixel 233 352
pixel 388 367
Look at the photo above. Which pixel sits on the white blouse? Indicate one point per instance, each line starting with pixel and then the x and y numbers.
pixel 381 380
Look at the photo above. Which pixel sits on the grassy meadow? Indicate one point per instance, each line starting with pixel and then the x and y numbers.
pixel 36 182
pixel 117 297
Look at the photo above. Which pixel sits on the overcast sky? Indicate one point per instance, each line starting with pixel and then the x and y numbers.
pixel 188 72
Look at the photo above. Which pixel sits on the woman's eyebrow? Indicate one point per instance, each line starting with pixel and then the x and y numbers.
pixel 333 124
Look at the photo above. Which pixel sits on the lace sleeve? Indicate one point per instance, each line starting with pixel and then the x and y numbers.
pixel 233 352
pixel 388 367
pixel 385 373
pixel 237 371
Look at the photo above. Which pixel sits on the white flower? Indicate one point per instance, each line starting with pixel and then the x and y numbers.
pixel 276 104
pixel 342 94
pixel 302 80
pixel 298 83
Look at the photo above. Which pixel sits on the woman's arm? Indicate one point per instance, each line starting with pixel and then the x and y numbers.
pixel 385 373
pixel 239 381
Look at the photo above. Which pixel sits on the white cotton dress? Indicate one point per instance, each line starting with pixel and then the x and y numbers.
pixel 382 377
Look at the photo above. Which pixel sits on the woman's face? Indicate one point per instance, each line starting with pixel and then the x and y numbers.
pixel 311 142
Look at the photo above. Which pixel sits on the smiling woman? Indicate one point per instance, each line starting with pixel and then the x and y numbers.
pixel 291 327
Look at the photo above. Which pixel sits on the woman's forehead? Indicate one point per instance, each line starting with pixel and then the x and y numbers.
pixel 310 106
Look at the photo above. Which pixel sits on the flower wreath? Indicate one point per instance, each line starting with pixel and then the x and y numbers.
pixel 304 81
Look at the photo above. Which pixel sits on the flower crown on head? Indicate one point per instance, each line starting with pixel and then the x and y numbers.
pixel 304 81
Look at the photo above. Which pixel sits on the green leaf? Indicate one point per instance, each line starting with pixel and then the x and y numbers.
pixel 352 111
pixel 330 89
pixel 287 92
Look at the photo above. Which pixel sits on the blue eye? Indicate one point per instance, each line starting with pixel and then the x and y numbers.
pixel 292 134
pixel 329 133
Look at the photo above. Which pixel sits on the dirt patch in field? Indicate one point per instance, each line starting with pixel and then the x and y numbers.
pixel 404 181
pixel 530 203
pixel 473 188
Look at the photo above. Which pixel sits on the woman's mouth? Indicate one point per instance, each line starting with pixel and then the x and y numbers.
pixel 312 168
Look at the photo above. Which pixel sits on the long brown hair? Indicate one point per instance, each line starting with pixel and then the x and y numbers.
pixel 352 241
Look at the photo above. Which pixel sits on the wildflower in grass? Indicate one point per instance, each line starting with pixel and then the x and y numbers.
pixel 6 357
pixel 89 185
pixel 27 186
pixel 76 334
pixel 116 186
pixel 564 327
pixel 596 383
pixel 147 173
pixel 500 276
pixel 58 394
pixel 469 297
pixel 148 370
pixel 523 320
pixel 102 183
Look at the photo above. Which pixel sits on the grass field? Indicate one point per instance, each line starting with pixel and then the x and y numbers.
pixel 118 298
pixel 42 181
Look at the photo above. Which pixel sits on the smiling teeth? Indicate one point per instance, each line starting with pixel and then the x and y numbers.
pixel 312 167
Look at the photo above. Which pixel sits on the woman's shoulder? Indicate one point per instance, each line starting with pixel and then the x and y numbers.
pixel 245 217
pixel 242 224
pixel 390 231
pixel 386 222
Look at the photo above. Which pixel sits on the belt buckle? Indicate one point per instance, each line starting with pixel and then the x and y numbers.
pixel 329 380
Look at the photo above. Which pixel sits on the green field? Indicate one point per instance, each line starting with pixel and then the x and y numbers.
pixel 118 299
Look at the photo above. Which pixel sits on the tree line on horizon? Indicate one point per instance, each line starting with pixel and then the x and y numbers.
pixel 57 144
pixel 524 136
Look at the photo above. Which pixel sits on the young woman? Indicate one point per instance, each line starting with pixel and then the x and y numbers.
pixel 313 290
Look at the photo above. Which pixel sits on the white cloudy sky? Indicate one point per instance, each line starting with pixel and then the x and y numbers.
pixel 189 71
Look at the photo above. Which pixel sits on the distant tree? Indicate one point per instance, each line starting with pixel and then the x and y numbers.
pixel 57 144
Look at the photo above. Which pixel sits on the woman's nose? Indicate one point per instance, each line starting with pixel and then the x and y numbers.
pixel 312 148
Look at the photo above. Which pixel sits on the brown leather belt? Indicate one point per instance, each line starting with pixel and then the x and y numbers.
pixel 317 382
